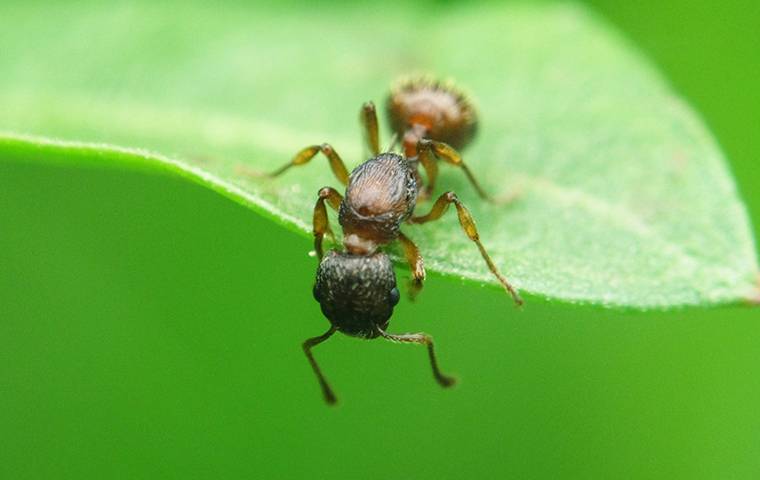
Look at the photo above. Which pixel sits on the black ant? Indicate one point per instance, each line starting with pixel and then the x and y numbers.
pixel 356 288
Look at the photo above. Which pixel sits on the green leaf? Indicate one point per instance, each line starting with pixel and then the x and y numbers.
pixel 625 198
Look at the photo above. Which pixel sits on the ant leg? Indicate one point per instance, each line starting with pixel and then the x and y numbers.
pixel 468 225
pixel 306 154
pixel 321 222
pixel 368 118
pixel 330 397
pixel 423 339
pixel 426 157
pixel 413 257
pixel 448 154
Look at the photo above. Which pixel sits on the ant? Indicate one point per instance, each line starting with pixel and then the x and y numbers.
pixel 434 120
pixel 356 288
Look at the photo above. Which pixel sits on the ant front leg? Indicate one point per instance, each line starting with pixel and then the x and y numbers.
pixel 321 223
pixel 423 339
pixel 305 156
pixel 414 259
pixel 429 148
pixel 327 392
pixel 368 117
pixel 468 225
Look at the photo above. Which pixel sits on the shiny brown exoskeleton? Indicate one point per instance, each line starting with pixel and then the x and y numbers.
pixel 356 288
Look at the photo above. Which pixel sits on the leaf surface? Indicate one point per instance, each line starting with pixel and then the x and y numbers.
pixel 624 198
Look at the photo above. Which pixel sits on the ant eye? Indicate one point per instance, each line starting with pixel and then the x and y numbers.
pixel 315 292
pixel 394 296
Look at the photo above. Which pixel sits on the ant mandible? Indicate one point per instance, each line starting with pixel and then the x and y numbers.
pixel 356 288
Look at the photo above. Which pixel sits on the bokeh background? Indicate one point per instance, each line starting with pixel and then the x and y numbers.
pixel 135 342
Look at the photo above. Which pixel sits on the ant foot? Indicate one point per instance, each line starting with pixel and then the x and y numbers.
pixel 414 288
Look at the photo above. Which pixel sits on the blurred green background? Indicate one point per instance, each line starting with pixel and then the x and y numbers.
pixel 155 333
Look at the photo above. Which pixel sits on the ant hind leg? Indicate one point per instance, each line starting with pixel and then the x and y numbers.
pixel 426 157
pixel 448 154
pixel 306 154
pixel 368 117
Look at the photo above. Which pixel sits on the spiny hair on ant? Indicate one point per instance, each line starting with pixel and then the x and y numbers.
pixel 356 287
pixel 422 106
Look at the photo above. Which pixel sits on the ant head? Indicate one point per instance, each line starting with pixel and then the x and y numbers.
pixel 357 293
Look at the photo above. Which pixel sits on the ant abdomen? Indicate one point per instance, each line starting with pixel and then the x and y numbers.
pixel 424 108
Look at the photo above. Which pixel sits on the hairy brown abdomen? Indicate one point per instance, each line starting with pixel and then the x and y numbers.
pixel 436 111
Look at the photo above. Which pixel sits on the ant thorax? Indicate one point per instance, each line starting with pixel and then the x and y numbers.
pixel 381 195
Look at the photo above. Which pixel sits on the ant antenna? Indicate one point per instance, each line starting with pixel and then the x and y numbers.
pixel 330 397
pixel 424 339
